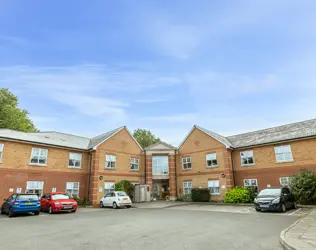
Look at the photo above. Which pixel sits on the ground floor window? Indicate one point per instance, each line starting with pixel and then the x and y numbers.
pixel 213 186
pixel 251 183
pixel 109 187
pixel 284 181
pixel 72 188
pixel 187 187
pixel 34 187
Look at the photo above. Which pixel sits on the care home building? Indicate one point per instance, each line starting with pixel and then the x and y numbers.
pixel 89 167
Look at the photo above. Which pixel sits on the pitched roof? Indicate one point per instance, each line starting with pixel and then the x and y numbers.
pixel 61 139
pixel 276 134
pixel 217 137
pixel 160 142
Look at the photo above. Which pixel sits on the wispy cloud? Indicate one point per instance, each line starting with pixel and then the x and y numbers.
pixel 189 118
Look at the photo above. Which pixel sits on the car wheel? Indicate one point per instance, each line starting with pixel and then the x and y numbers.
pixel 283 208
pixel 73 211
pixel 37 213
pixel 50 210
pixel 2 210
pixel 128 206
pixel 114 205
pixel 11 213
pixel 101 205
pixel 294 205
pixel 258 209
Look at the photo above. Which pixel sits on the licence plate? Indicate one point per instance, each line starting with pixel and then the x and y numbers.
pixel 264 206
pixel 125 199
pixel 28 203
pixel 67 207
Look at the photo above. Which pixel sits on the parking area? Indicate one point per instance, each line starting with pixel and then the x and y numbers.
pixel 181 227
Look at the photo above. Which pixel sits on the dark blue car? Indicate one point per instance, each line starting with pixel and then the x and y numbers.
pixel 21 204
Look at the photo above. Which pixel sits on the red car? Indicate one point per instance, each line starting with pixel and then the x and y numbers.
pixel 58 202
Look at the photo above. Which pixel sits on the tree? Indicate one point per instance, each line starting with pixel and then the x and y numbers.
pixel 145 138
pixel 303 186
pixel 125 186
pixel 11 116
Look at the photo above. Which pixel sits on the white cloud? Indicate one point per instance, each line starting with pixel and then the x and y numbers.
pixel 188 117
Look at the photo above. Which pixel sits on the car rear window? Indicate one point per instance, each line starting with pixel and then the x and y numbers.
pixel 27 197
pixel 121 194
pixel 60 197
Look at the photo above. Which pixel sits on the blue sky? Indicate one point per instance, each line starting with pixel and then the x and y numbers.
pixel 85 67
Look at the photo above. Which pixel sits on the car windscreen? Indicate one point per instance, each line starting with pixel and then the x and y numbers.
pixel 121 194
pixel 270 192
pixel 23 197
pixel 60 197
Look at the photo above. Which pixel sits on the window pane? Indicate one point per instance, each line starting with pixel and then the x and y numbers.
pixel 35 151
pixel 253 182
pixel 42 160
pixel 113 158
pixel 76 185
pixel 108 164
pixel 113 164
pixel 288 156
pixel 34 160
pixel 184 160
pixel 1 147
pixel 286 148
pixel 77 164
pixel 247 182
pixel 78 157
pixel 43 152
pixel 250 160
pixel 278 150
pixel 280 157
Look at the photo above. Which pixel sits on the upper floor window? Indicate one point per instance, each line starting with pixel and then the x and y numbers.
pixel 247 158
pixel 213 186
pixel 211 161
pixel 187 187
pixel 160 165
pixel 135 164
pixel 110 161
pixel 72 188
pixel 186 163
pixel 1 151
pixel 283 153
pixel 284 181
pixel 39 156
pixel 74 160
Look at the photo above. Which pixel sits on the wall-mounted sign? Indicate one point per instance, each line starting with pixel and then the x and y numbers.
pixel 223 186
pixel 19 190
pixel 100 189
pixel 268 185
pixel 11 190
pixel 54 189
pixel 101 178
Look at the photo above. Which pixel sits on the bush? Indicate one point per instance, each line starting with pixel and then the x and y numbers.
pixel 125 186
pixel 85 201
pixel 200 194
pixel 303 186
pixel 253 191
pixel 238 195
pixel 186 197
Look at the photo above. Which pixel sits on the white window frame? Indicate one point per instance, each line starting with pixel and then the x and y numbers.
pixel 134 162
pixel 1 151
pixel 287 181
pixel 111 187
pixel 158 169
pixel 185 162
pixel 32 187
pixel 246 155
pixel 110 159
pixel 211 157
pixel 187 187
pixel 75 160
pixel 39 154
pixel 212 184
pixel 283 150
pixel 73 191
pixel 251 185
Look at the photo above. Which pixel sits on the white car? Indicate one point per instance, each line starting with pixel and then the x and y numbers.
pixel 116 199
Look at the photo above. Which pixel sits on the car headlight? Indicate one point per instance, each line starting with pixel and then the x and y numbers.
pixel 57 204
pixel 255 200
pixel 275 201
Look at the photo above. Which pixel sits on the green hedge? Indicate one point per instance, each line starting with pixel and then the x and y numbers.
pixel 200 194
pixel 238 195
pixel 125 186
pixel 186 197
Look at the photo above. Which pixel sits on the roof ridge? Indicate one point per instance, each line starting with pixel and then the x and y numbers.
pixel 266 129
pixel 58 133
pixel 108 132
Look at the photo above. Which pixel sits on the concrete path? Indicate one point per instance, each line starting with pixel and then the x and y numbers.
pixel 301 235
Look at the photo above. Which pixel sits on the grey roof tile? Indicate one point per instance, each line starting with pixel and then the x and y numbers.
pixel 100 138
pixel 217 137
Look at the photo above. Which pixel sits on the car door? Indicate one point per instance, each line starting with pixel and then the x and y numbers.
pixel 5 204
pixel 43 202
pixel 286 197
pixel 8 203
pixel 107 199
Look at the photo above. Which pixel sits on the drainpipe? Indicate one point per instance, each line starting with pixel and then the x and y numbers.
pixel 232 160
pixel 145 167
pixel 175 163
pixel 89 175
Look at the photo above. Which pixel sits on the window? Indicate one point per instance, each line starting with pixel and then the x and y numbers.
pixel 160 165
pixel 247 158
pixel 72 188
pixel 187 187
pixel 109 187
pixel 284 181
pixel 1 151
pixel 186 163
pixel 250 183
pixel 110 161
pixel 211 161
pixel 74 160
pixel 213 186
pixel 283 153
pixel 34 187
pixel 134 164
pixel 39 156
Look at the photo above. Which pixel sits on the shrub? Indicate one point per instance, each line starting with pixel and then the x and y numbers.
pixel 85 201
pixel 303 186
pixel 238 195
pixel 200 194
pixel 186 197
pixel 125 186
pixel 253 191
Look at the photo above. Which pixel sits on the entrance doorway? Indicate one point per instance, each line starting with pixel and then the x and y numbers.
pixel 160 189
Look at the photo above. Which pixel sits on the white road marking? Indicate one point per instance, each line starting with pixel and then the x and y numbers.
pixel 295 212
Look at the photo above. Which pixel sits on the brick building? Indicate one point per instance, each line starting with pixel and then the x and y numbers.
pixel 52 161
